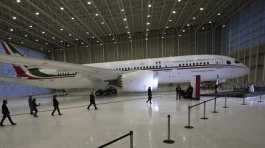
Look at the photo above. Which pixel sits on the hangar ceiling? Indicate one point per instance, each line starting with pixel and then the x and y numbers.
pixel 49 24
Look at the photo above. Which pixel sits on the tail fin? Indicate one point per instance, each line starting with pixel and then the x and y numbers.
pixel 11 50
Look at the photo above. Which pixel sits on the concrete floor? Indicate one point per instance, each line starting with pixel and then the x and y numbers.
pixel 238 126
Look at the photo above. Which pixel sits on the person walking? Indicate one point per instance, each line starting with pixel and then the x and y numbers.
pixel 6 114
pixel 178 92
pixel 92 101
pixel 149 94
pixel 30 105
pixel 34 108
pixel 55 105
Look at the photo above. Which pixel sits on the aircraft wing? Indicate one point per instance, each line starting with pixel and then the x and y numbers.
pixel 93 72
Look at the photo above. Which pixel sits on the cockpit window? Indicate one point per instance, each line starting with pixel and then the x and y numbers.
pixel 228 62
pixel 237 62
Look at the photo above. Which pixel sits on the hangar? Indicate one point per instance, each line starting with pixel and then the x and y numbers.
pixel 154 70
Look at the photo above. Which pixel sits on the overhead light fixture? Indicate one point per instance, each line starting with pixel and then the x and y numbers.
pixel 21 42
pixel 61 41
pixel 201 9
pixel 46 43
pixel 146 39
pixel 43 32
pixel 37 13
pixel 183 30
pixel 149 5
pixel 124 19
pixel 62 8
pixel 188 25
pixel 170 20
pixel 126 27
pixel 147 23
pixel 179 0
pixel 69 34
pixel 128 32
pixel 96 14
pixel 180 35
pixel 218 13
pixel 87 32
pixel 9 38
pixel 89 2
pixel 72 18
pixel 110 34
pixel 14 18
pixel 76 39
pixel 210 22
pixel 18 1
pixel 82 43
pixel 30 26
pixel 53 38
pixel 162 37
pixel 203 28
pixel 61 29
pixel 122 10
pixel 147 30
pixel 37 40
pixel 174 12
pixel 194 18
pixel 25 35
pixel 223 26
pixel 102 23
pixel 11 29
pixel 113 39
pixel 148 15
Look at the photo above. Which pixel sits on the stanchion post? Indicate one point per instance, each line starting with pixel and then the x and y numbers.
pixel 204 111
pixel 260 99
pixel 214 108
pixel 168 140
pixel 189 126
pixel 131 139
pixel 225 106
pixel 244 101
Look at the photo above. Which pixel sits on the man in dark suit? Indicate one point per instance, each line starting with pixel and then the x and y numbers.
pixel 6 114
pixel 30 105
pixel 149 94
pixel 34 108
pixel 55 106
pixel 92 101
pixel 178 92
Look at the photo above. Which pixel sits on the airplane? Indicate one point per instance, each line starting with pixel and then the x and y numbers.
pixel 129 76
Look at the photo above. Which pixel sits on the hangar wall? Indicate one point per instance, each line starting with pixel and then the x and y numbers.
pixel 14 89
pixel 246 41
pixel 170 44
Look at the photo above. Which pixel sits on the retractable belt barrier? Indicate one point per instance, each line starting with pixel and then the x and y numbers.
pixel 117 139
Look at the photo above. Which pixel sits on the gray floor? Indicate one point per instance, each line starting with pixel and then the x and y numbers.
pixel 238 126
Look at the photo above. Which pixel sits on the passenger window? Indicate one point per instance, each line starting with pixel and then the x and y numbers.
pixel 228 62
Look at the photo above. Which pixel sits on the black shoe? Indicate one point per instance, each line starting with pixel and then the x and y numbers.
pixel 60 114
pixel 13 123
pixel 96 108
pixel 2 125
pixel 52 114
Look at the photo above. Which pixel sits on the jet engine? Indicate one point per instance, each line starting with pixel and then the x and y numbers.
pixel 139 81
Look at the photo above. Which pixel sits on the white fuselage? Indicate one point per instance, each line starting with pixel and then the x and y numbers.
pixel 179 69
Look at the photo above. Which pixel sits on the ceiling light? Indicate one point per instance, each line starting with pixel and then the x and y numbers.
pixel 61 41
pixel 110 34
pixel 170 20
pixel 128 32
pixel 14 18
pixel 146 39
pixel 173 11
pixel 188 25
pixel 87 32
pixel 36 40
pixel 9 38
pixel 72 18
pixel 149 5
pixel 30 26
pixel 201 9
pixel 147 29
pixel 25 35
pixel 62 8
pixel 162 37
pixel 203 28
pixel 147 23
pixel 148 15
pixel 193 18
pixel 37 13
pixel 69 34
pixel 183 30
pixel 43 32
pixel 76 39
pixel 223 26
pixel 122 10
pixel 93 37
pixel 113 39
pixel 46 43
pixel 18 1
pixel 61 29
pixel 210 22
pixel 166 27
pixel 179 0
pixel 97 41
pixel 126 27
pixel 96 14
pixel 89 3
pixel 82 43
pixel 21 42
pixel 218 13
pixel 124 19
pixel 180 35
pixel 102 23
pixel 53 38
pixel 11 29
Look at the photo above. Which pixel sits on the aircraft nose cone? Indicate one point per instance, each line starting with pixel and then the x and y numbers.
pixel 246 70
